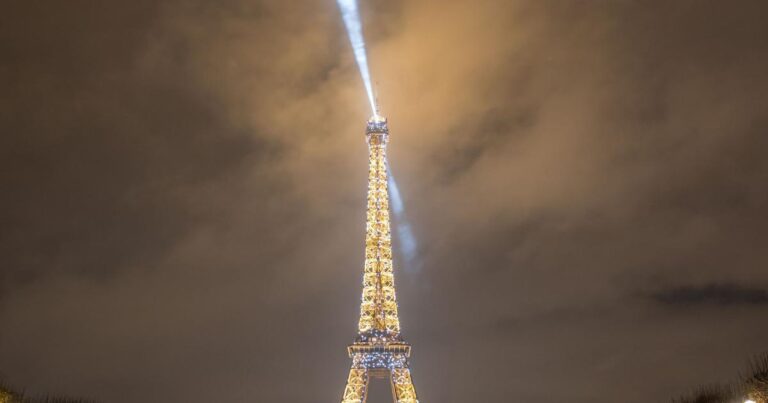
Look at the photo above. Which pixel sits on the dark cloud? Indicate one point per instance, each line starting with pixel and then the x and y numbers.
pixel 717 294
pixel 183 192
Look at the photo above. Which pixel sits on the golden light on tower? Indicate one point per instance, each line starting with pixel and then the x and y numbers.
pixel 378 310
pixel 379 350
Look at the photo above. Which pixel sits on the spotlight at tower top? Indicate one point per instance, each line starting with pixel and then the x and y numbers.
pixel 351 16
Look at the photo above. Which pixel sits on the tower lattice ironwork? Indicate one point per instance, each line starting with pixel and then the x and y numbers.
pixel 379 350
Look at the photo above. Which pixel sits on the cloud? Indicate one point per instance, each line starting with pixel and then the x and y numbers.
pixel 716 294
pixel 184 186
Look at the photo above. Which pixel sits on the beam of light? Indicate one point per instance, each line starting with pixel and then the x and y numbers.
pixel 394 192
pixel 405 235
pixel 351 16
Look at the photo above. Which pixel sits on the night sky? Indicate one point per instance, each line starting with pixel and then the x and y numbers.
pixel 183 187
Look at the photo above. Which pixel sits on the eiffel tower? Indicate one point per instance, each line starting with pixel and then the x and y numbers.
pixel 379 351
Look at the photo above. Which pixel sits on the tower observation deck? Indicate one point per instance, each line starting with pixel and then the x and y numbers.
pixel 379 350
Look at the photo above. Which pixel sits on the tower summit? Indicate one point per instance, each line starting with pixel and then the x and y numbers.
pixel 379 350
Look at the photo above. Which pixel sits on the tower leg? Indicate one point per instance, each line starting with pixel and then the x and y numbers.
pixel 403 386
pixel 357 386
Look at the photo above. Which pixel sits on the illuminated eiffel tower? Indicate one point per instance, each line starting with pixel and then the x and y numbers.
pixel 379 350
